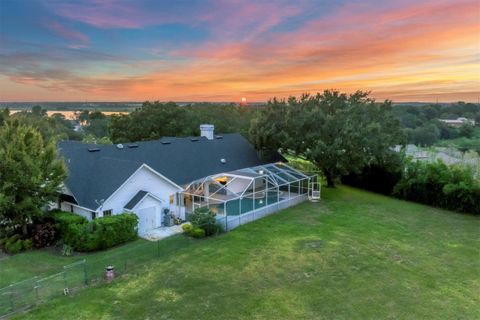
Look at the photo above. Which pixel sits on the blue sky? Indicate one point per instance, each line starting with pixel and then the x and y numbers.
pixel 106 50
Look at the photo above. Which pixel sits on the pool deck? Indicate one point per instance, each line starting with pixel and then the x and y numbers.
pixel 162 233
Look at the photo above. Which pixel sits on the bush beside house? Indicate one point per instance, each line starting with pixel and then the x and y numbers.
pixel 203 223
pixel 44 234
pixel 40 233
pixel 99 234
pixel 15 244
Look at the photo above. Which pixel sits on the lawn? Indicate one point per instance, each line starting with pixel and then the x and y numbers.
pixel 354 255
pixel 45 262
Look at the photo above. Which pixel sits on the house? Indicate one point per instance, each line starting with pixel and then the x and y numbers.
pixel 458 122
pixel 175 176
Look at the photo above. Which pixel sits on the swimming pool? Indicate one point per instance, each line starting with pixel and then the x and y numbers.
pixel 246 204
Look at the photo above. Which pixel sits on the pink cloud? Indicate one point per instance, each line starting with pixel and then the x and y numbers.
pixel 220 17
pixel 78 39
pixel 403 51
pixel 103 14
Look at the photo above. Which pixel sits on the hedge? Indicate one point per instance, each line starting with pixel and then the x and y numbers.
pixel 440 185
pixel 376 178
pixel 15 244
pixel 64 222
pixel 99 234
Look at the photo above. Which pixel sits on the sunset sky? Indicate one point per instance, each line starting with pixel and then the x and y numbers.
pixel 106 50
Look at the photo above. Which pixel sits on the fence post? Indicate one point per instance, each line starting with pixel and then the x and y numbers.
pixel 226 217
pixel 85 275
pixel 65 285
pixel 12 299
pixel 37 296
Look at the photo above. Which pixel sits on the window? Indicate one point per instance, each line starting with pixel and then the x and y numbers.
pixel 94 215
pixel 107 213
pixel 171 199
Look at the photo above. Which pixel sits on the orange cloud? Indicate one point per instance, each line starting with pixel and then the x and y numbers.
pixel 404 52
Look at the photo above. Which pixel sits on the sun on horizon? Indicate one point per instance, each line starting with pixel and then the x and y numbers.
pixel 215 50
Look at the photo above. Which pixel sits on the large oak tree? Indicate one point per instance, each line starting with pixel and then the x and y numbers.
pixel 339 133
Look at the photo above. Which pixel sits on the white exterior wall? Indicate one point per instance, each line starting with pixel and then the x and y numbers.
pixel 149 212
pixel 150 202
pixel 144 179
pixel 66 206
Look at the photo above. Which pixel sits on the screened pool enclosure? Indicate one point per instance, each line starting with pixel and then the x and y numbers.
pixel 245 195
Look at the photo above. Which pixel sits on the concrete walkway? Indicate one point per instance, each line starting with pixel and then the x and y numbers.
pixel 162 232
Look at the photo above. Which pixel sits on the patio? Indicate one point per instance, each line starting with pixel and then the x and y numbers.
pixel 162 232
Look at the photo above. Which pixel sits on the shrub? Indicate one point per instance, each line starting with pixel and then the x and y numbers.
pixel 380 176
pixel 15 244
pixel 205 219
pixel 64 219
pixel 44 235
pixel 101 233
pixel 374 178
pixel 436 184
pixel 202 216
pixel 11 239
pixel 197 232
pixel 187 227
pixel 70 227
pixel 14 247
pixel 27 244
pixel 213 229
pixel 113 230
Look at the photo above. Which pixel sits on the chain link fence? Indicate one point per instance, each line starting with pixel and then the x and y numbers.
pixel 90 271
pixel 29 293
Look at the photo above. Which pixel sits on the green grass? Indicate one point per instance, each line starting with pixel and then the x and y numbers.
pixel 355 255
pixel 46 261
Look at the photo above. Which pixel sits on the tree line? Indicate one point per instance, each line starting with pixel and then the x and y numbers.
pixel 340 134
pixel 422 125
pixel 155 120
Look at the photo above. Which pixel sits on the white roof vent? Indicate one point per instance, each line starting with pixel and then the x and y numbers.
pixel 223 160
pixel 119 146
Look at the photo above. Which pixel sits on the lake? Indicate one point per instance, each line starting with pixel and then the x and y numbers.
pixel 71 114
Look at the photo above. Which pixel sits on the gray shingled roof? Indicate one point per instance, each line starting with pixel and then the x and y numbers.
pixel 93 176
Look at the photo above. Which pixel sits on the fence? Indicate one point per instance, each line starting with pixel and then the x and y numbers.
pixel 90 271
pixel 29 293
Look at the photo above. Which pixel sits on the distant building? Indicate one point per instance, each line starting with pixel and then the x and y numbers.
pixel 458 122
